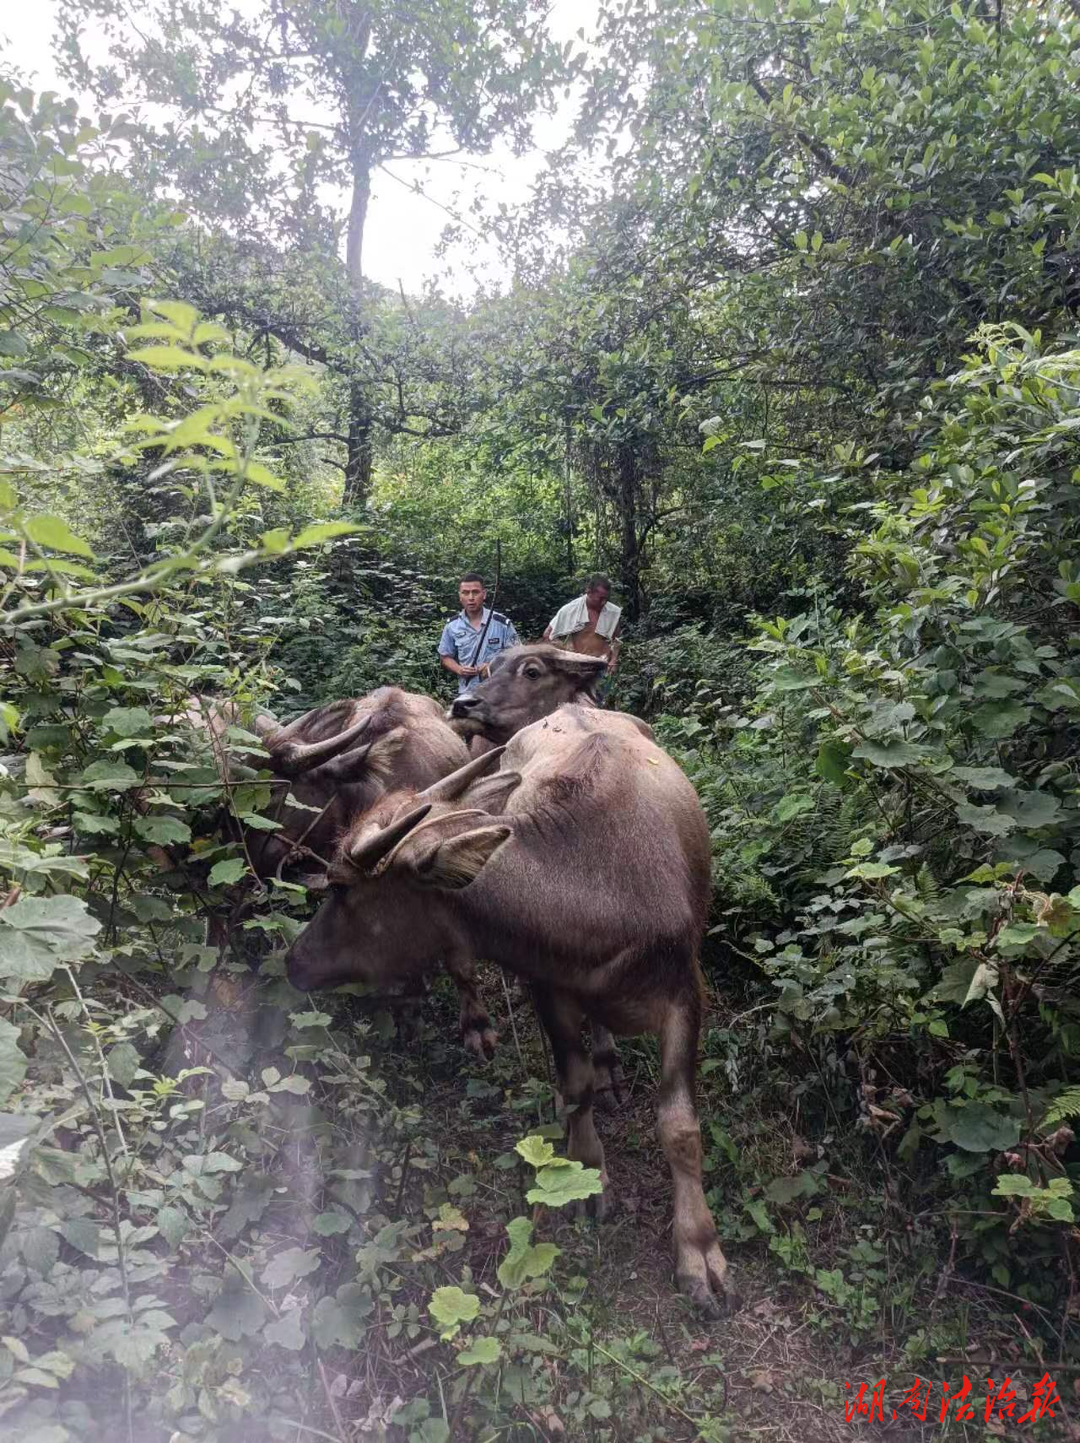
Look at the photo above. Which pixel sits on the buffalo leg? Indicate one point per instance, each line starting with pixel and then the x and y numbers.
pixel 700 1266
pixel 477 1033
pixel 562 1017
pixel 607 1069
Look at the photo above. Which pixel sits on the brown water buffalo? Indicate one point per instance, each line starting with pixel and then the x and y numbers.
pixel 525 684
pixel 336 761
pixel 591 883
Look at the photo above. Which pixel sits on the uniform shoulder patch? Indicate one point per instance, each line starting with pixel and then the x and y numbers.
pixel 498 616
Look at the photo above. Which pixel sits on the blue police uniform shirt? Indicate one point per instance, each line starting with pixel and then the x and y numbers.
pixel 459 640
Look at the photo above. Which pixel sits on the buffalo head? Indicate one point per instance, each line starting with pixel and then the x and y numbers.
pixel 525 684
pixel 381 920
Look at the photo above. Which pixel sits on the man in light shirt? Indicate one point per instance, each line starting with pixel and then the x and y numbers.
pixel 589 624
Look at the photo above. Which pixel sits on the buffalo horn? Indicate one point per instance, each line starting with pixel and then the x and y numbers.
pixel 451 787
pixel 293 758
pixel 371 850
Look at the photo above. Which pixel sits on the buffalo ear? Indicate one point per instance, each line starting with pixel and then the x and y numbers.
pixel 457 861
pixel 585 670
pixel 383 751
pixel 491 794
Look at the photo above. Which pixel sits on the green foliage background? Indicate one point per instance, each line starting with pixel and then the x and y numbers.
pixel 798 366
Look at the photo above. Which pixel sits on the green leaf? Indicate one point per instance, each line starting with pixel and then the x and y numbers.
pixel 833 760
pixel 13 344
pixel 38 933
pixel 128 721
pixel 871 871
pixel 12 1061
pixel 55 533
pixel 1031 809
pixel 110 775
pixel 263 476
pixel 323 531
pixel 787 678
pixel 976 1127
pixel 450 1307
pixel 170 359
pixel 123 1062
pixel 173 1225
pixel 480 1350
pixel 998 720
pixel 162 830
pixel 1013 1184
pixel 340 1321
pixel 327 1224
pixel 557 1185
pixel 983 779
pixel 230 870
pixel 535 1150
pixel 238 1311
pixel 524 1260
pixel 292 1263
pixel 889 753
pixel 987 820
pixel 287 1331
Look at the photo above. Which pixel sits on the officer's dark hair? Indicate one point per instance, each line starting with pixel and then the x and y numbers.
pixel 598 579
pixel 471 576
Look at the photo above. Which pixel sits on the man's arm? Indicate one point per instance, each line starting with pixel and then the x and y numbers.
pixel 449 660
pixel 613 648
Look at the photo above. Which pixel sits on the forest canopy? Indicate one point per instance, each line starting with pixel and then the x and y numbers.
pixel 787 345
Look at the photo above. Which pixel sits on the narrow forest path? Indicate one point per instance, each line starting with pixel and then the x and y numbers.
pixel 775 1370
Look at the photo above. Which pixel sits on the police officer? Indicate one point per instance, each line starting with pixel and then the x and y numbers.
pixel 460 636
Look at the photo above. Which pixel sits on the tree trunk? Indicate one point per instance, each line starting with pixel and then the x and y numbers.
pixel 629 553
pixel 358 209
pixel 358 447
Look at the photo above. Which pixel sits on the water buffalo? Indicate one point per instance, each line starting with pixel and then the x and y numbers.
pixel 525 684
pixel 591 883
pixel 336 761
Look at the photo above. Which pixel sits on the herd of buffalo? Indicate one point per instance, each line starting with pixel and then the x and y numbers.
pixel 530 827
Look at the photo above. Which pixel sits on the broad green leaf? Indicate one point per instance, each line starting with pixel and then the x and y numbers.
pixel 38 933
pixel 871 871
pixel 999 720
pixel 983 779
pixel 833 760
pixel 230 870
pixel 340 1321
pixel 238 1311
pixel 128 721
pixel 54 532
pixel 1031 809
pixel 987 820
pixel 169 359
pixel 163 830
pixel 263 476
pixel 12 1061
pixel 323 531
pixel 977 1127
pixel 480 1350
pixel 555 1186
pixel 285 1267
pixel 450 1307
pixel 287 1331
pixel 892 753
pixel 525 1258
pixel 535 1150
pixel 110 775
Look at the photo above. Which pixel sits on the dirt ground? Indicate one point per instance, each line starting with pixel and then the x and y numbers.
pixel 778 1369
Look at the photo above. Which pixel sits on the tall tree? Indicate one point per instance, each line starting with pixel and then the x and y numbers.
pixel 266 114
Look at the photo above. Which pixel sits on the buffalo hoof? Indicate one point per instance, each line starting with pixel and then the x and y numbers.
pixel 704 1278
pixel 598 1207
pixel 482 1041
pixel 608 1086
